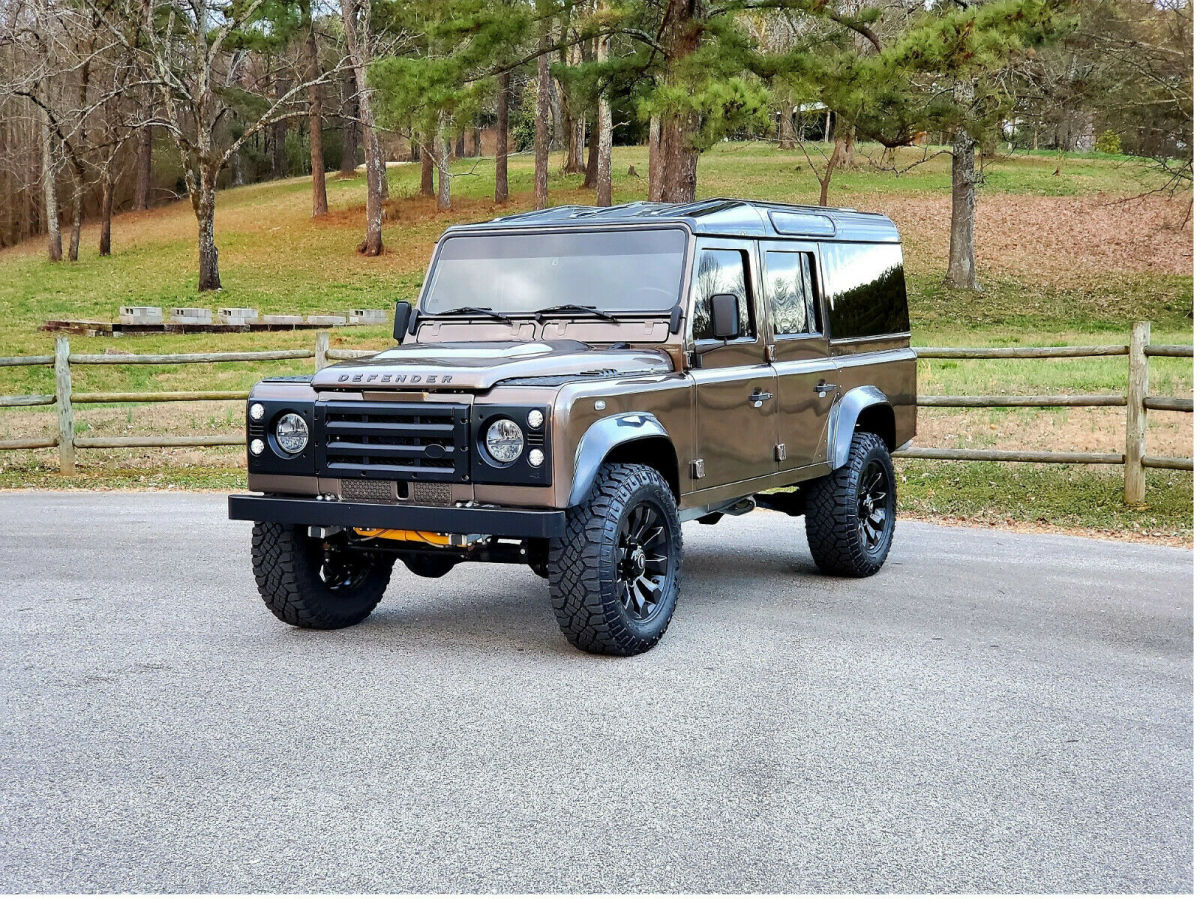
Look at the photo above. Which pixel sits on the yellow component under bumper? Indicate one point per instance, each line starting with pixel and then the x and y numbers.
pixel 427 537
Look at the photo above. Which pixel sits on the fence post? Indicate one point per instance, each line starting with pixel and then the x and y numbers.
pixel 1135 415
pixel 322 350
pixel 66 416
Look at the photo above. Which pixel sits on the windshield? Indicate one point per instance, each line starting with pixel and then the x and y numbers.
pixel 618 271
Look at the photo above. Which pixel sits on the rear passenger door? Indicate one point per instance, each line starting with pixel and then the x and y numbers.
pixel 791 279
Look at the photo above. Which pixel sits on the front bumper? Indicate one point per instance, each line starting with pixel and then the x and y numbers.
pixel 444 520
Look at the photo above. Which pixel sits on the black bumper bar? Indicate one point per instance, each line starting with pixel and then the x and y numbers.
pixel 497 522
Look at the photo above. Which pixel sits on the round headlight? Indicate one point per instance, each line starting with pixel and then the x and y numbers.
pixel 257 412
pixel 535 418
pixel 291 433
pixel 257 447
pixel 536 457
pixel 504 440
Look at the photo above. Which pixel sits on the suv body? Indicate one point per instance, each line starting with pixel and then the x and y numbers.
pixel 721 349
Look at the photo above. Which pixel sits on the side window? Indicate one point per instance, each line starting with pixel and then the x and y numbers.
pixel 789 285
pixel 865 286
pixel 720 271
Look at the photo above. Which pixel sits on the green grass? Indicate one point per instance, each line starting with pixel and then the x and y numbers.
pixel 1063 497
pixel 274 257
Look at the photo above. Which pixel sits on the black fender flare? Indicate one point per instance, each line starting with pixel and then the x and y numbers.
pixel 599 440
pixel 844 418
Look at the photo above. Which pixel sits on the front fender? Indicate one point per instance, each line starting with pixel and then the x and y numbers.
pixel 600 439
pixel 845 416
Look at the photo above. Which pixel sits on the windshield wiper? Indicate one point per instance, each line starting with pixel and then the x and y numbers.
pixel 575 307
pixel 476 310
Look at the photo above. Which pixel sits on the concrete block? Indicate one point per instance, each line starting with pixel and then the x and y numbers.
pixel 191 315
pixel 236 315
pixel 368 317
pixel 326 319
pixel 283 319
pixel 141 315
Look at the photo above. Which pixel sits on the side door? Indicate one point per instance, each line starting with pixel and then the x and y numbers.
pixel 807 378
pixel 734 383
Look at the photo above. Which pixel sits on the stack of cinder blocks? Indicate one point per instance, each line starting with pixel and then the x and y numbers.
pixel 191 315
pixel 236 315
pixel 368 317
pixel 141 315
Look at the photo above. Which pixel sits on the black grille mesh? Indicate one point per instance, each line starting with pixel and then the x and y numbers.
pixel 395 441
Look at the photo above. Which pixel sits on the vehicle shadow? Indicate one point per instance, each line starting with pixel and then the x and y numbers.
pixel 494 609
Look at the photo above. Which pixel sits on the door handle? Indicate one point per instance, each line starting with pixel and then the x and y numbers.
pixel 759 397
pixel 824 387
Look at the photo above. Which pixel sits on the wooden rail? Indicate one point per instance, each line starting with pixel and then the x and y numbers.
pixel 1136 401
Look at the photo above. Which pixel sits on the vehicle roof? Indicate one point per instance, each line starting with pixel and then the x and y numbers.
pixel 719 216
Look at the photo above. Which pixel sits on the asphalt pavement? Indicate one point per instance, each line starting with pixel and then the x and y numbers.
pixel 991 712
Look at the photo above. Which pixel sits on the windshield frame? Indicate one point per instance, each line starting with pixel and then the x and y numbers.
pixel 566 228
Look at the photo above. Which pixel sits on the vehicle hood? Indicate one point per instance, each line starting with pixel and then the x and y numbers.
pixel 481 365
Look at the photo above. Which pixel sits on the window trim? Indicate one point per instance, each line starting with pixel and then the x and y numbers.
pixel 749 263
pixel 817 306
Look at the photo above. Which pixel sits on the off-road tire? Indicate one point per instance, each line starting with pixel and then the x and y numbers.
pixel 586 586
pixel 287 566
pixel 425 565
pixel 832 512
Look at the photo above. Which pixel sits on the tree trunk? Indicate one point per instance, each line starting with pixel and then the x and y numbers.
pixel 603 133
pixel 204 203
pixel 961 271
pixel 502 138
pixel 77 191
pixel 460 145
pixel 541 139
pixel 427 151
pixel 141 193
pixel 385 186
pixel 787 127
pixel 316 149
pixel 593 149
pixel 106 209
pixel 372 244
pixel 50 191
pixel 827 116
pixel 443 167
pixel 843 144
pixel 825 180
pixel 678 154
pixel 349 126
pixel 654 172
pixel 678 159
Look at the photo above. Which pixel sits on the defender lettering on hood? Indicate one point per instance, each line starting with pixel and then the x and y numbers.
pixel 482 365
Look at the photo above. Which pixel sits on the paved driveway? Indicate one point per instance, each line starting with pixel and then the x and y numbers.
pixel 991 712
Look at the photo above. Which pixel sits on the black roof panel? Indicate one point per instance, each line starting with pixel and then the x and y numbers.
pixel 718 216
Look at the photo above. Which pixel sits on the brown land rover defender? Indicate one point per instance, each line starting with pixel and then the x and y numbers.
pixel 575 383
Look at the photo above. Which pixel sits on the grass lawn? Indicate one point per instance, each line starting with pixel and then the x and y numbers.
pixel 1062 260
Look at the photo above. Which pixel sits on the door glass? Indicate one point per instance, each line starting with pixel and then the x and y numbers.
pixel 720 271
pixel 789 287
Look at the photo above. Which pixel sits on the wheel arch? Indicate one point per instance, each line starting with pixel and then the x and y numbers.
pixel 637 437
pixel 861 409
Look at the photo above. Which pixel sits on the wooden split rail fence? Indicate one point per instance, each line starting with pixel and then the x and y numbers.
pixel 1136 401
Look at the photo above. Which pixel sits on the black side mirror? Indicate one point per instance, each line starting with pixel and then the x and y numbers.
pixel 724 311
pixel 400 326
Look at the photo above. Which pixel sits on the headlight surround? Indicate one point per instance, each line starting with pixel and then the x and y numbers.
pixel 504 441
pixel 291 433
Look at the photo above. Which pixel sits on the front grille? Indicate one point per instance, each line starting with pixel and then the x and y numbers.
pixel 392 441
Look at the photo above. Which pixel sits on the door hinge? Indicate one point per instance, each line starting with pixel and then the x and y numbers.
pixel 697 469
pixel 780 452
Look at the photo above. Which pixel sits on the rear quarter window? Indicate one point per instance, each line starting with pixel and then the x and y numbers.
pixel 865 286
